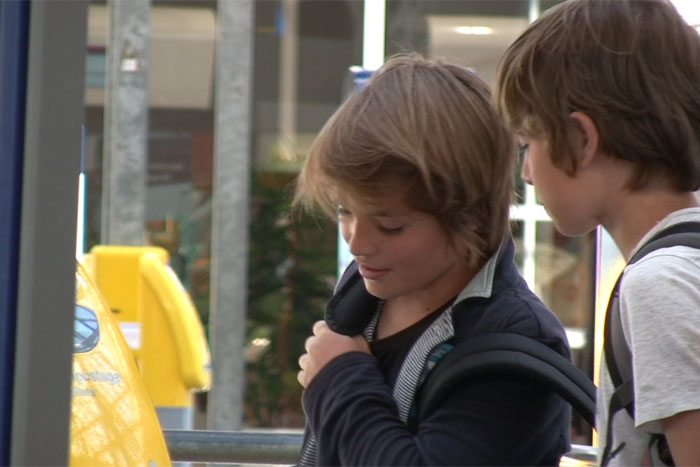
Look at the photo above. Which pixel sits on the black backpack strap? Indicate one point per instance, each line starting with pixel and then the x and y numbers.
pixel 508 354
pixel 682 234
pixel 618 356
pixel 619 360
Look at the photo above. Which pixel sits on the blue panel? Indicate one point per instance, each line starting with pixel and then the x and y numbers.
pixel 96 70
pixel 14 20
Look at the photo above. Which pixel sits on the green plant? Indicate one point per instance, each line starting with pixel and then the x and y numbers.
pixel 292 272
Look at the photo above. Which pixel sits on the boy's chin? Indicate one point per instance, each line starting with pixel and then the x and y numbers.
pixel 376 290
pixel 573 231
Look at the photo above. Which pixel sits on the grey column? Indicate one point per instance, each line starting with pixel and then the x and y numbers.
pixel 231 198
pixel 125 154
pixel 46 278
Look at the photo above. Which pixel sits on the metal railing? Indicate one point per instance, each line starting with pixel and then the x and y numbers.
pixel 249 447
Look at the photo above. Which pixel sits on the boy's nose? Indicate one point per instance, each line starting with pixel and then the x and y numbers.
pixel 359 239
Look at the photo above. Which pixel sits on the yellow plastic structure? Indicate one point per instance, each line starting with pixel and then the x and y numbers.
pixel 176 327
pixel 160 323
pixel 113 422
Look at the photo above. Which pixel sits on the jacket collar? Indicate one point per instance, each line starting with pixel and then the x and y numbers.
pixel 482 285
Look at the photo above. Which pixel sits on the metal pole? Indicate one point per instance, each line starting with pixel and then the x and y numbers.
pixel 125 154
pixel 46 278
pixel 288 80
pixel 242 447
pixel 231 198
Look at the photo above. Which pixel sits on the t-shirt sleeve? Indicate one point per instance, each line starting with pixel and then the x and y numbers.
pixel 660 310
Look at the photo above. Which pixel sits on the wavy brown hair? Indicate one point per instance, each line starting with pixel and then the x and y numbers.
pixel 633 66
pixel 425 129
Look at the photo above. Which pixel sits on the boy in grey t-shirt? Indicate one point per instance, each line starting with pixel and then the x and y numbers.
pixel 605 99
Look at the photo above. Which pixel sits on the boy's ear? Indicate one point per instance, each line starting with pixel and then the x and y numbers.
pixel 583 137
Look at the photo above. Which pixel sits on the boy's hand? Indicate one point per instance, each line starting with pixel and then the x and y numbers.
pixel 322 347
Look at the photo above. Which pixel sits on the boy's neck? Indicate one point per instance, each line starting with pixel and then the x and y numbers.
pixel 636 213
pixel 401 312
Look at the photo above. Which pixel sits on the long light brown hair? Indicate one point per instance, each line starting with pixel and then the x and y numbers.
pixel 425 129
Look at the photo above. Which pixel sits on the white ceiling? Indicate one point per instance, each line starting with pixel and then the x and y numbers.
pixel 478 51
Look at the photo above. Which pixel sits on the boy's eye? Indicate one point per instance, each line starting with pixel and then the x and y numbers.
pixel 522 149
pixel 342 211
pixel 391 230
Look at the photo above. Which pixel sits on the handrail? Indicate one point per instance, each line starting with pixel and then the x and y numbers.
pixel 277 448
pixel 233 447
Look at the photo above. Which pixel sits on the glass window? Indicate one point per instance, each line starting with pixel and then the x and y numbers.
pixel 303 54
pixel 560 270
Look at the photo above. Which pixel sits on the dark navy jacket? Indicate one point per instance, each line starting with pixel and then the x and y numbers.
pixel 355 418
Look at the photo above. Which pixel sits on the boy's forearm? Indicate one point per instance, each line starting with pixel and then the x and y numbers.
pixel 683 435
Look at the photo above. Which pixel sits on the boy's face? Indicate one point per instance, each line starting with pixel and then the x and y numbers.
pixel 401 252
pixel 567 199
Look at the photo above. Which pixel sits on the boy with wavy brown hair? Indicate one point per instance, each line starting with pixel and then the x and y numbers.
pixel 418 170
pixel 605 98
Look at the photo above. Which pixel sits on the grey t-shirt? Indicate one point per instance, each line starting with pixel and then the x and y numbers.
pixel 660 312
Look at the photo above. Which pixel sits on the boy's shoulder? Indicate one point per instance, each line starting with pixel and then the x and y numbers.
pixel 663 276
pixel 661 279
pixel 672 221
pixel 513 308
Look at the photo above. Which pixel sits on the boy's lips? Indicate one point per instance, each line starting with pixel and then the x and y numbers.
pixel 372 273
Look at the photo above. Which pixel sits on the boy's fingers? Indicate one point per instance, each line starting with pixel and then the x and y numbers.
pixel 319 326
pixel 301 375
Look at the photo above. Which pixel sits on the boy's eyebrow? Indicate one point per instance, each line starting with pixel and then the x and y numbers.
pixel 388 213
pixel 383 213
